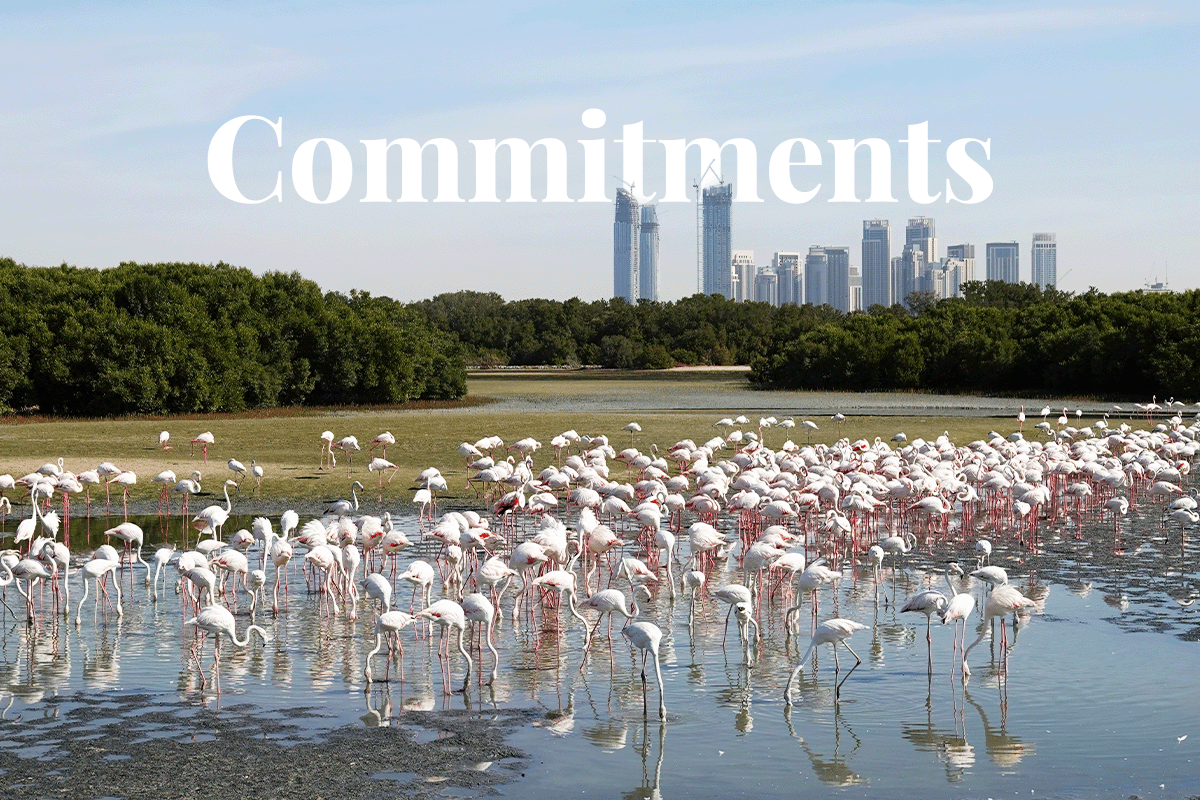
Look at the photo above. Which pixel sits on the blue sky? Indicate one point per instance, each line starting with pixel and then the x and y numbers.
pixel 1091 109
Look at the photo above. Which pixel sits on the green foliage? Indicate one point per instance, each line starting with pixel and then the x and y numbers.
pixel 187 338
pixel 181 338
pixel 1001 338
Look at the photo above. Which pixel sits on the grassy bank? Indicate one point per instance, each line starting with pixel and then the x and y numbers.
pixel 287 444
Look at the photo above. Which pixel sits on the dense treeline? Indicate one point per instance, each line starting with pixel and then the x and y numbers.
pixel 1000 337
pixel 701 329
pixel 160 338
pixel 183 338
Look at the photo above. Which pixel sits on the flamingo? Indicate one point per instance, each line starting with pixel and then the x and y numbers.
pixel 609 601
pixel 163 438
pixel 478 609
pixel 166 479
pixel 258 473
pixel 449 614
pixel 1002 601
pixel 420 574
pixel 327 450
pixel 131 535
pixel 38 566
pixel 95 571
pixel 959 609
pixel 187 487
pixel 126 480
pixel 205 439
pixel 341 508
pixel 161 556
pixel 646 637
pixel 928 602
pixel 382 440
pixel 89 478
pixel 387 624
pixel 212 518
pixel 381 465
pixel 347 445
pixel 218 620
pixel 831 631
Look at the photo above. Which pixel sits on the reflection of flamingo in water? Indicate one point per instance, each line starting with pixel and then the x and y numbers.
pixel 950 746
pixel 1004 748
pixel 832 770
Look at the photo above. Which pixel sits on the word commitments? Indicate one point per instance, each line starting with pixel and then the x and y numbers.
pixel 790 169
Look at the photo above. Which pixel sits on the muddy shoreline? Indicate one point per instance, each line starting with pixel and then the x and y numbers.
pixel 135 746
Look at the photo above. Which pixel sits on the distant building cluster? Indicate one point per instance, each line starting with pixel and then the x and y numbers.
pixel 635 249
pixel 823 275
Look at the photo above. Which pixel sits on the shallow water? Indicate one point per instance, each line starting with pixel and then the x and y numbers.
pixel 527 393
pixel 1100 690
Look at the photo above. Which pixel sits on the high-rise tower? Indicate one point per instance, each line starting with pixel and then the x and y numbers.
pixel 1044 260
pixel 718 251
pixel 816 276
pixel 790 273
pixel 876 263
pixel 966 254
pixel 921 232
pixel 648 254
pixel 837 260
pixel 1003 262
pixel 626 235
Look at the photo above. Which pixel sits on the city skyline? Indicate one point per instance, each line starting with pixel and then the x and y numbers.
pixel 827 275
pixel 111 111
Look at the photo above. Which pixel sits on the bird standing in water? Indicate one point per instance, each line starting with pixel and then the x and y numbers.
pixel 831 631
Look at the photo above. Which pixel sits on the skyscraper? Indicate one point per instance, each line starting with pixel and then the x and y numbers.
pixel 626 230
pixel 648 254
pixel 718 252
pixel 1044 260
pixel 910 277
pixel 966 254
pixel 788 267
pixel 766 286
pixel 1003 262
pixel 837 260
pixel 876 263
pixel 856 303
pixel 742 275
pixel 816 276
pixel 921 232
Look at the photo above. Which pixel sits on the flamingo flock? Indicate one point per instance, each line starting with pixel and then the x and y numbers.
pixel 767 531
